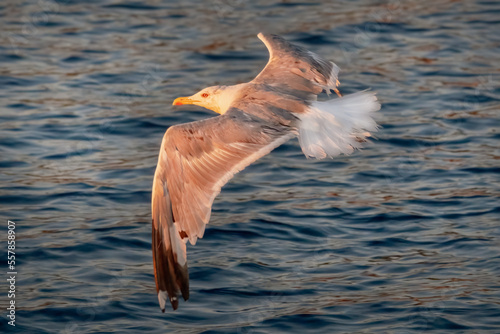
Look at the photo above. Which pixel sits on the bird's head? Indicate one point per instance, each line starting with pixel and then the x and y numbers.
pixel 215 98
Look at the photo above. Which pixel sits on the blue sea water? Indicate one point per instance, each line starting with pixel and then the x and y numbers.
pixel 401 237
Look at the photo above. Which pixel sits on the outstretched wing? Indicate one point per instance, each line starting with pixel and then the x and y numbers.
pixel 196 159
pixel 295 68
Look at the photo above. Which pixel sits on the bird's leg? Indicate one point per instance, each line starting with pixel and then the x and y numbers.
pixel 336 89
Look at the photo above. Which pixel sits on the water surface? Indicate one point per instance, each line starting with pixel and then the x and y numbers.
pixel 402 237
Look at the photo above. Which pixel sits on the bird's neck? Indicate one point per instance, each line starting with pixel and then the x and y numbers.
pixel 226 97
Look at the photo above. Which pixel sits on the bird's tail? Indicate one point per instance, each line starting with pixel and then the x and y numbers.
pixel 337 126
pixel 169 252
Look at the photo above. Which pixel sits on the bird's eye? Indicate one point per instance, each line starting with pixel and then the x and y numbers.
pixel 204 95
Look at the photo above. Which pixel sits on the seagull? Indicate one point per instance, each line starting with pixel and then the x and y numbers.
pixel 197 159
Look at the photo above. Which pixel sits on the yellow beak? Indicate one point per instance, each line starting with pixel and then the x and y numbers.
pixel 183 100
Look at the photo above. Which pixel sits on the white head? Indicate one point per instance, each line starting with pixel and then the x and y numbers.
pixel 215 98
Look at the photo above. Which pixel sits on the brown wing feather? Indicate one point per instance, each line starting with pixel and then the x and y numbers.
pixel 296 69
pixel 196 159
pixel 169 258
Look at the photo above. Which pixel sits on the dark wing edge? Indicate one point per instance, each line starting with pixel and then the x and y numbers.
pixel 169 251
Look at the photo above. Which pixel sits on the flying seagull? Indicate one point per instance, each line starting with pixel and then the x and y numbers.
pixel 198 158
